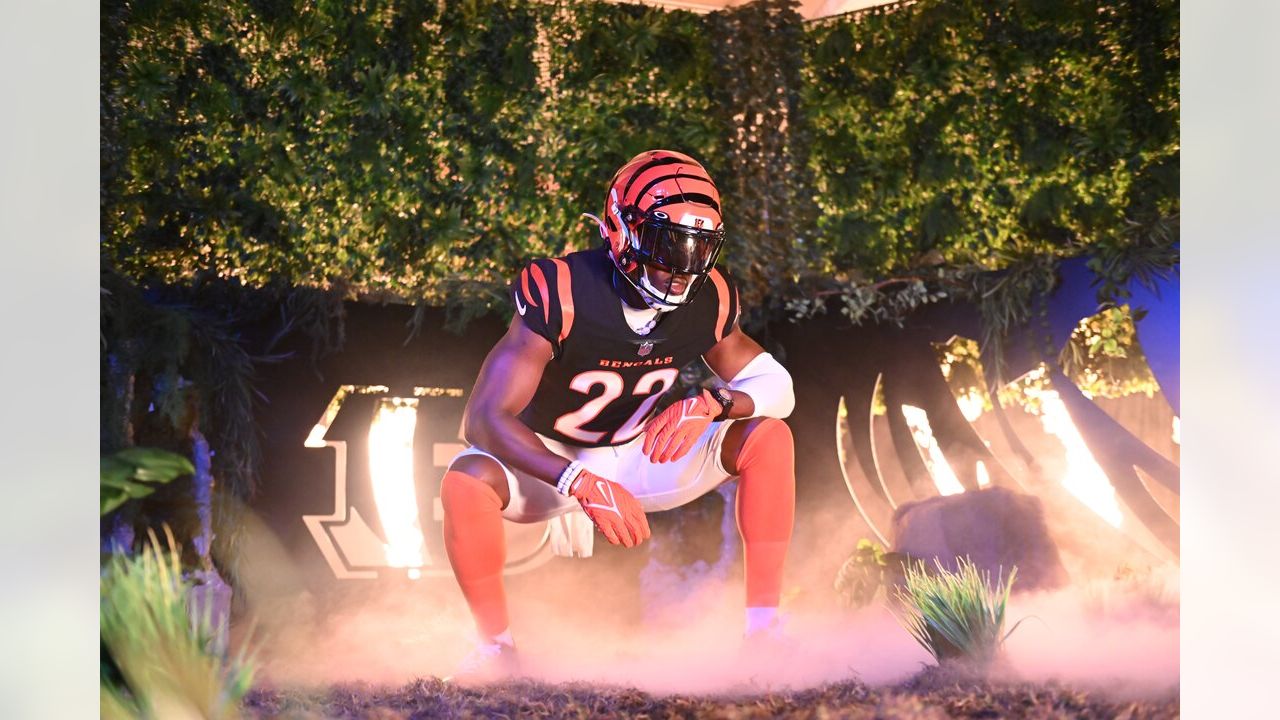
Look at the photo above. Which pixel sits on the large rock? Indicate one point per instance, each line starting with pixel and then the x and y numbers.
pixel 996 528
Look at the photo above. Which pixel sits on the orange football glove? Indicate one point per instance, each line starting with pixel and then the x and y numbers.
pixel 672 433
pixel 612 508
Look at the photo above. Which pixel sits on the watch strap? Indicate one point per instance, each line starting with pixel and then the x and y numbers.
pixel 722 396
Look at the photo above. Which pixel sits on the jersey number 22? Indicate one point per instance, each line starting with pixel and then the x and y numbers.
pixel 652 383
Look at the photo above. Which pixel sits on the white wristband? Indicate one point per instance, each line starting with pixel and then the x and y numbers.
pixel 567 476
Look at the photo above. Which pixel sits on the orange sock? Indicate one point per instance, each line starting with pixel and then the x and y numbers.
pixel 477 549
pixel 766 508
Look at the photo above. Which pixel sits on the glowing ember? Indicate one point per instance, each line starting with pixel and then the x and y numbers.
pixel 943 476
pixel 1083 477
pixel 391 470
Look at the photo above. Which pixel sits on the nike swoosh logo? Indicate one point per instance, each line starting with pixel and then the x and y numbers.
pixel 520 307
pixel 685 413
pixel 607 492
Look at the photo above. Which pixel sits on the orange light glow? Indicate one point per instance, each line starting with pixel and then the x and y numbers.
pixel 943 476
pixel 391 471
pixel 971 405
pixel 1083 478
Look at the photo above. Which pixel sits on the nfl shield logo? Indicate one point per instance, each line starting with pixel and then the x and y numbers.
pixel 646 347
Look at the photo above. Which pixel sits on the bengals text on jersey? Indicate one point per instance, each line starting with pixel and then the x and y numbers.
pixel 605 378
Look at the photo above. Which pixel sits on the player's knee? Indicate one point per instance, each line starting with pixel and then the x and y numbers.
pixel 479 467
pixel 772 438
pixel 778 431
pixel 762 438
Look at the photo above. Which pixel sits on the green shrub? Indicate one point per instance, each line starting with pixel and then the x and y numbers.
pixel 424 151
pixel 956 616
pixel 862 575
pixel 159 660
pixel 134 473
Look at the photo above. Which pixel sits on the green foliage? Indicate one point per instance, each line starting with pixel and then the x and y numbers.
pixel 133 473
pixel 1104 358
pixel 177 359
pixel 891 300
pixel 862 575
pixel 163 662
pixel 989 131
pixel 961 363
pixel 416 151
pixel 996 136
pixel 421 151
pixel 956 616
pixel 1011 298
pixel 761 162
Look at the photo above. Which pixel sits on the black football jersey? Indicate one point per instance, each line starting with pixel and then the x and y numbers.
pixel 605 379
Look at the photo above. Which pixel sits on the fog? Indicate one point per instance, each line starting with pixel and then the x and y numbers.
pixel 678 629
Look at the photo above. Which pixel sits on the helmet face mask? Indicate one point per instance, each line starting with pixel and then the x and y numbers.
pixel 678 252
pixel 676 248
pixel 663 212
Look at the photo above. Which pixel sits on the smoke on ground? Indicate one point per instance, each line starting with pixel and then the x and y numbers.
pixel 574 624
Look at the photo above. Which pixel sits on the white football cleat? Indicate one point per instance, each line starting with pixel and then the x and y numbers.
pixel 487 663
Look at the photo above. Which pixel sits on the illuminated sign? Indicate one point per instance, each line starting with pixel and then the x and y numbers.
pixel 345 537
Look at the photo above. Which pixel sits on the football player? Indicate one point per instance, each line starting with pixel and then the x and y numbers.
pixel 562 414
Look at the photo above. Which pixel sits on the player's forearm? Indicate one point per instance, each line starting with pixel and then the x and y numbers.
pixel 743 405
pixel 503 435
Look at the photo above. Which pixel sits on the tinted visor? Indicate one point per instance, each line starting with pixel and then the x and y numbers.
pixel 678 248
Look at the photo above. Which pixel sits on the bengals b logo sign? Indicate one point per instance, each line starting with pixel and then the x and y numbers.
pixel 389 454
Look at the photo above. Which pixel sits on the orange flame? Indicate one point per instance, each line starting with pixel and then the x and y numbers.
pixel 939 469
pixel 391 470
pixel 1084 478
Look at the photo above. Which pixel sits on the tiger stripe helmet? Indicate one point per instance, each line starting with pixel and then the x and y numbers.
pixel 663 209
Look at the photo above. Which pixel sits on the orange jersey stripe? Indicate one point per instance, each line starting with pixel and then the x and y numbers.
pixel 722 289
pixel 564 291
pixel 541 281
pixel 524 283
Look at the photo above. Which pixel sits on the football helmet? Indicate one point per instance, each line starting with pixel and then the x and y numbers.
pixel 662 212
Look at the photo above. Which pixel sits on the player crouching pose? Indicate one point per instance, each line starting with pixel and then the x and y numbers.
pixel 560 416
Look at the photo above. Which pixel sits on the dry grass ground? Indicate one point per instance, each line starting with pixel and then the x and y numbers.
pixel 931 694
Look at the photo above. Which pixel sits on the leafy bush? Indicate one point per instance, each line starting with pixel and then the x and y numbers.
pixel 979 132
pixel 862 575
pixel 956 616
pixel 423 151
pixel 134 473
pixel 160 661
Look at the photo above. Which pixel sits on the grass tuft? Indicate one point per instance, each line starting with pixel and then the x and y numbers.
pixel 957 616
pixel 163 662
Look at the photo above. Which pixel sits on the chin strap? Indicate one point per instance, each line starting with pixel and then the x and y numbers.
pixel 604 232
pixel 654 303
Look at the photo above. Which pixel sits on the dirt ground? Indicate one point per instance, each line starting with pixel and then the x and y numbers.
pixel 933 693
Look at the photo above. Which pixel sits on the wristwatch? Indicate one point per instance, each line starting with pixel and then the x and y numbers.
pixel 725 398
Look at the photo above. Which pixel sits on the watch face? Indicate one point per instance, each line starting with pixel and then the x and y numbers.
pixel 722 395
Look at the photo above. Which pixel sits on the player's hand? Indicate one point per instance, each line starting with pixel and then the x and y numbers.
pixel 672 433
pixel 612 508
